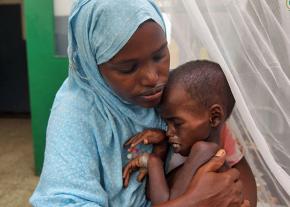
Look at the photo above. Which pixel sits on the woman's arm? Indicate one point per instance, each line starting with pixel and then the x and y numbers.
pixel 70 175
pixel 248 179
pixel 209 188
pixel 179 180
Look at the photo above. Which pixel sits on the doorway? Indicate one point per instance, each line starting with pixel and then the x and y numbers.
pixel 14 96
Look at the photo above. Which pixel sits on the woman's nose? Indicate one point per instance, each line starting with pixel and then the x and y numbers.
pixel 150 76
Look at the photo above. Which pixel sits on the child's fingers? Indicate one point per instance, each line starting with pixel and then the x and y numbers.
pixel 126 170
pixel 131 140
pixel 138 140
pixel 142 174
pixel 148 137
pixel 126 181
pixel 126 175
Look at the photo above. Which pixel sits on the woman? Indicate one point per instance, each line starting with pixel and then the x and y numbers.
pixel 119 64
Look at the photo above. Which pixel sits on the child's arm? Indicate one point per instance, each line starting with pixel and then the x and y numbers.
pixel 248 180
pixel 157 187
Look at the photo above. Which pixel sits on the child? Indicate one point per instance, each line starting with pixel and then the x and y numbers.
pixel 196 103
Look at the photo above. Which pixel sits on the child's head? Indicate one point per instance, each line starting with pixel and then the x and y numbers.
pixel 196 102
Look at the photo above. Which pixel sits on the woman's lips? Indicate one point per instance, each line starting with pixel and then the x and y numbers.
pixel 153 94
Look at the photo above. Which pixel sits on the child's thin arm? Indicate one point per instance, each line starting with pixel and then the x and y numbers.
pixel 161 149
pixel 248 180
pixel 157 187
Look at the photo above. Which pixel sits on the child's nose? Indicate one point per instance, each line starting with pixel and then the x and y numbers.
pixel 170 130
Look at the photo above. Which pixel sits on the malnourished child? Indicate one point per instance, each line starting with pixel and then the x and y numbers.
pixel 196 103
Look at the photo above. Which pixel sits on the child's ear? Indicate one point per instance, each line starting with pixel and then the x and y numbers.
pixel 216 115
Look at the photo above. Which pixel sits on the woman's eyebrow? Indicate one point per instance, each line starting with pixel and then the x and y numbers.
pixel 121 63
pixel 164 45
pixel 131 61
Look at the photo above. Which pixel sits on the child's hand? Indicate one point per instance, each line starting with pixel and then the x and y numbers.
pixel 148 136
pixel 141 162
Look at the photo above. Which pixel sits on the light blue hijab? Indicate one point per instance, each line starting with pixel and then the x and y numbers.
pixel 89 123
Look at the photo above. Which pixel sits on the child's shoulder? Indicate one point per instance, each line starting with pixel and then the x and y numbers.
pixel 232 146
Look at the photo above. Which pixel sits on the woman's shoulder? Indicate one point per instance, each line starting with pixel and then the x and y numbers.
pixel 73 99
pixel 72 118
pixel 73 107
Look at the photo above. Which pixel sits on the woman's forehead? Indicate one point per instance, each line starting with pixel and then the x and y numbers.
pixel 149 39
pixel 114 23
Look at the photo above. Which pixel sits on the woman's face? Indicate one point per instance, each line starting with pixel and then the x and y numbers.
pixel 139 71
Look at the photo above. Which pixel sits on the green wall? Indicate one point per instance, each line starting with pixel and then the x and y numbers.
pixel 46 71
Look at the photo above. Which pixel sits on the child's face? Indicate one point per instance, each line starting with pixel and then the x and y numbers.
pixel 188 121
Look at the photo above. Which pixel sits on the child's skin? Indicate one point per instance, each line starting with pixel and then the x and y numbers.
pixel 189 123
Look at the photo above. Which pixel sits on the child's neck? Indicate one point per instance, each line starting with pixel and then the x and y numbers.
pixel 215 135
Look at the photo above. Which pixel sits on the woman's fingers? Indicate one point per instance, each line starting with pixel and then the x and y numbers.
pixel 232 175
pixel 246 203
pixel 214 163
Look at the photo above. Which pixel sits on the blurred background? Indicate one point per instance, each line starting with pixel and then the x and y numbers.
pixel 27 40
pixel 17 174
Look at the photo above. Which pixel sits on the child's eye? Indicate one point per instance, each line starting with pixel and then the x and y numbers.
pixel 177 123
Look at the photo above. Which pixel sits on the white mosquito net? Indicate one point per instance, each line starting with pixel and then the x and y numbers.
pixel 250 39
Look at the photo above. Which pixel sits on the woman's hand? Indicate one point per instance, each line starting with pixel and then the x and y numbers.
pixel 209 188
pixel 148 136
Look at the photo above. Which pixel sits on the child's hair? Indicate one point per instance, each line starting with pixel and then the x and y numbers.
pixel 205 82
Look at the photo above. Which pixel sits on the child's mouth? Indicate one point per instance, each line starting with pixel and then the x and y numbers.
pixel 176 147
pixel 175 144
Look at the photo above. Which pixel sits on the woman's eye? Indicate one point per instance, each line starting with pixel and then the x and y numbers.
pixel 128 70
pixel 158 57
